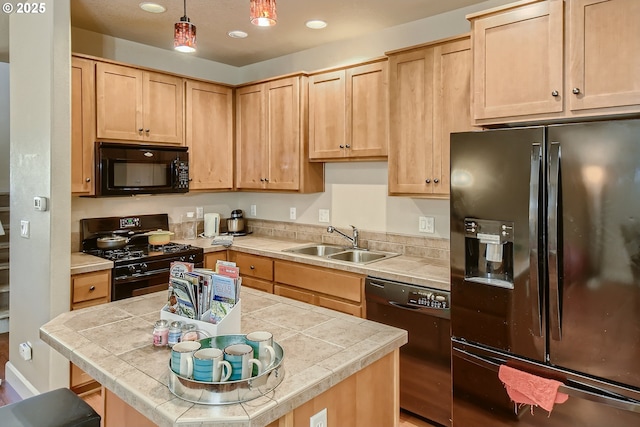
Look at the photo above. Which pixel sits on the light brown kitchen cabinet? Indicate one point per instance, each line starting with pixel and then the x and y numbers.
pixel 83 125
pixel 525 51
pixel 209 135
pixel 211 258
pixel 429 88
pixel 87 289
pixel 348 113
pixel 256 271
pixel 137 105
pixel 271 138
pixel 337 290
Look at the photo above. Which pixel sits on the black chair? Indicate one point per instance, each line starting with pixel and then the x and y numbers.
pixel 56 408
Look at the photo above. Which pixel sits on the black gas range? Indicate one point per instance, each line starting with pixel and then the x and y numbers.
pixel 139 268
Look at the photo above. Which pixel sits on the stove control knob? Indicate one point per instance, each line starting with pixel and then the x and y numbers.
pixel 132 269
pixel 183 259
pixel 192 258
pixel 143 267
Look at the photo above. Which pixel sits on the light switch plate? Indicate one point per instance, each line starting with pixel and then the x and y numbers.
pixel 426 224
pixel 253 210
pixel 25 229
pixel 292 213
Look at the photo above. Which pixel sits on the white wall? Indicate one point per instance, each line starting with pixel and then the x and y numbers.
pixel 40 151
pixel 4 127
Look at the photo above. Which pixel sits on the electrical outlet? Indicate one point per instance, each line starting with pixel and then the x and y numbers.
pixel 426 224
pixel 25 229
pixel 319 419
pixel 253 210
pixel 323 215
pixel 292 213
pixel 25 350
pixel 199 212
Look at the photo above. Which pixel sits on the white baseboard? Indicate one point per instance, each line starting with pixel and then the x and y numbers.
pixel 18 382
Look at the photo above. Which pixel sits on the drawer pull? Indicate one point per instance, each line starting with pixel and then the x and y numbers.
pixel 252 267
pixel 92 288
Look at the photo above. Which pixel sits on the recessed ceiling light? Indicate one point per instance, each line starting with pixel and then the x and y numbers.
pixel 237 34
pixel 148 6
pixel 316 24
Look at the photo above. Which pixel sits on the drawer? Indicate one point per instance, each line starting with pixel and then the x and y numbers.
pixel 295 294
pixel 255 266
pixel 90 286
pixel 261 285
pixel 342 306
pixel 340 284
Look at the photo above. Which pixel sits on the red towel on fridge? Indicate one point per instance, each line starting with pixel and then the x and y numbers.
pixel 527 389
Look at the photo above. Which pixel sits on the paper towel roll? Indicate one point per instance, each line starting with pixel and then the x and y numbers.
pixel 211 224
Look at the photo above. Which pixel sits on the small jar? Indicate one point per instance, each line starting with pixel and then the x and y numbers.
pixel 189 332
pixel 161 333
pixel 175 332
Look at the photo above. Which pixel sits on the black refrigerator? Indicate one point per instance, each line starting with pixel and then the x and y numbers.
pixel 545 271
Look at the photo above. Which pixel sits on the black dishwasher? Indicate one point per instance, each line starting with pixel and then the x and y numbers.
pixel 425 361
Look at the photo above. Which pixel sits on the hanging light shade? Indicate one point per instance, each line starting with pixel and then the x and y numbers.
pixel 263 13
pixel 184 34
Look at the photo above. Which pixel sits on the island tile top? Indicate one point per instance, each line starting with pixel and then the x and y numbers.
pixel 113 343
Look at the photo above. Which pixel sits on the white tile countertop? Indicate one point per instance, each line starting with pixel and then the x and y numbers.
pixel 403 268
pixel 113 343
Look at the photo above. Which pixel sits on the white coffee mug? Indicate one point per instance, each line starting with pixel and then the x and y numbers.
pixel 182 357
pixel 240 356
pixel 262 344
pixel 209 365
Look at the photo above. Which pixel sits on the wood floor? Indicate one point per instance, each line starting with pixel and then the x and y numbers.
pixel 8 394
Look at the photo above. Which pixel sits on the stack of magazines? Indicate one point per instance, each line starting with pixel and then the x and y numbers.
pixel 203 294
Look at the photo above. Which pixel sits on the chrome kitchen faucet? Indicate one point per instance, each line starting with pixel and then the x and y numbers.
pixel 353 240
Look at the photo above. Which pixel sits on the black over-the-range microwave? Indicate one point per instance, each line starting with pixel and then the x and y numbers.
pixel 129 169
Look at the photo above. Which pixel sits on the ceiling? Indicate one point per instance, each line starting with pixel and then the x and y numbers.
pixel 215 18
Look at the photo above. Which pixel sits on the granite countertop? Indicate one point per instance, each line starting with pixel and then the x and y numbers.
pixel 408 269
pixel 113 343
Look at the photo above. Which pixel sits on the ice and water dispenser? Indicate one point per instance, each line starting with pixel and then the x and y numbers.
pixel 489 252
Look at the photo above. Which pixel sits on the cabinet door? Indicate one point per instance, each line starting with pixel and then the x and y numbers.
pixel 163 108
pixel 411 126
pixel 327 107
pixel 251 149
pixel 83 125
pixel 452 105
pixel 604 47
pixel 367 110
pixel 211 258
pixel 209 135
pixel 517 62
pixel 283 134
pixel 119 102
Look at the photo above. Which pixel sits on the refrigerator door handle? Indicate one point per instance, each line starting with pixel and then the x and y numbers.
pixel 534 206
pixel 572 388
pixel 555 325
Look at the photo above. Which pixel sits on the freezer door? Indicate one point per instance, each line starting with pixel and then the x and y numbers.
pixel 480 399
pixel 594 249
pixel 496 184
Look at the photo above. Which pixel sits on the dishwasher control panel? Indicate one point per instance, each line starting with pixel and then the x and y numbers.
pixel 428 298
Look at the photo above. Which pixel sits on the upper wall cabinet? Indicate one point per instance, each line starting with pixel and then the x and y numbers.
pixel 137 105
pixel 523 53
pixel 348 113
pixel 209 135
pixel 271 138
pixel 83 125
pixel 430 98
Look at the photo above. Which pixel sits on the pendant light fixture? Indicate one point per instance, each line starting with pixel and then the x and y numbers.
pixel 184 34
pixel 263 13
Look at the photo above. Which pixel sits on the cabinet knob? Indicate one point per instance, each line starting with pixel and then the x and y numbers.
pixel 88 179
pixel 555 93
pixel 427 180
pixel 576 91
pixel 341 146
pixel 140 131
pixel 92 288
pixel 348 146
pixel 266 180
pixel 436 180
pixel 261 179
pixel 252 267
pixel 146 130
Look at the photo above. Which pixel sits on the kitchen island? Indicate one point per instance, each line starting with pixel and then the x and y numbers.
pixel 330 358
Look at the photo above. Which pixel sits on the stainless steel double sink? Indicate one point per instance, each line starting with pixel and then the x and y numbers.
pixel 340 253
